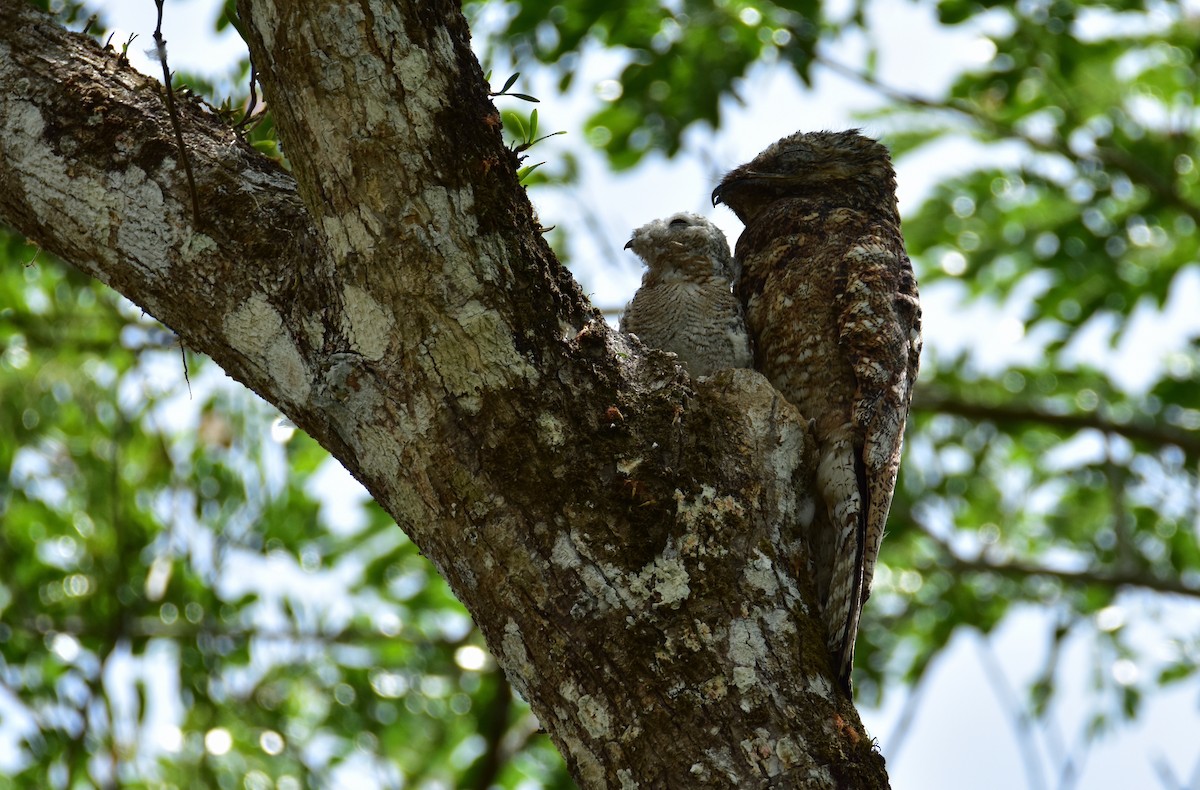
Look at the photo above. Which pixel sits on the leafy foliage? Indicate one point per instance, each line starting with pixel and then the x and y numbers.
pixel 1056 477
pixel 1067 476
pixel 681 58
pixel 1058 473
pixel 178 607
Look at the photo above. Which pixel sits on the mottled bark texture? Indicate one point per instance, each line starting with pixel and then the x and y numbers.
pixel 626 539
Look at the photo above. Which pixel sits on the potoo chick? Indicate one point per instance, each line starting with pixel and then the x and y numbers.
pixel 686 304
pixel 832 308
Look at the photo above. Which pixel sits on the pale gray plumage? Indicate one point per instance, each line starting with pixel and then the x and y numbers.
pixel 685 304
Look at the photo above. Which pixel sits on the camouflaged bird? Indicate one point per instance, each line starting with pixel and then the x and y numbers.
pixel 832 308
pixel 686 304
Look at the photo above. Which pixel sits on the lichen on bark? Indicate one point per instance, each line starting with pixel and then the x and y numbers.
pixel 628 540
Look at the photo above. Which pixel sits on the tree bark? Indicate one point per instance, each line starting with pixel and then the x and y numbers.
pixel 629 541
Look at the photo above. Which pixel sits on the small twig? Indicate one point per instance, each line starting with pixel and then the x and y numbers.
pixel 160 45
pixel 253 99
pixel 183 359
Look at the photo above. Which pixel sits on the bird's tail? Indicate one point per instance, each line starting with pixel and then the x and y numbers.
pixel 841 480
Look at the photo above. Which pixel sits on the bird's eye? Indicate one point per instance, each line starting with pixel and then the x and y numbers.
pixel 679 223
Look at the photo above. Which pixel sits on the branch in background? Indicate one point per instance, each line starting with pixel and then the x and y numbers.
pixel 1016 569
pixel 1072 765
pixel 893 93
pixel 153 628
pixel 1042 689
pixel 900 731
pixel 1159 435
pixel 1166 776
pixel 493 725
pixel 1123 520
pixel 1023 723
pixel 1148 177
pixel 1138 173
pixel 1029 726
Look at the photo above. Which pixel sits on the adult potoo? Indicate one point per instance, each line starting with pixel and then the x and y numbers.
pixel 686 303
pixel 831 303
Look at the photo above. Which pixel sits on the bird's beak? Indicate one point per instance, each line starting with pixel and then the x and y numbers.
pixel 629 244
pixel 716 195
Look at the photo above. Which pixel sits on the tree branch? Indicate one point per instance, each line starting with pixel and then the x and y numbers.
pixel 1021 570
pixel 933 402
pixel 1017 569
pixel 625 538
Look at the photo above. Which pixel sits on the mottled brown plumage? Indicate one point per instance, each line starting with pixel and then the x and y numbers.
pixel 831 303
pixel 686 304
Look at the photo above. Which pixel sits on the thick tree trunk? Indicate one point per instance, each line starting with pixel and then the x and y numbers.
pixel 628 540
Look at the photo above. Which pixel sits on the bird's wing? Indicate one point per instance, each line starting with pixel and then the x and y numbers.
pixel 879 328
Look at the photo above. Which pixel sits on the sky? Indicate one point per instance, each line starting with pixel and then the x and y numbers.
pixel 965 731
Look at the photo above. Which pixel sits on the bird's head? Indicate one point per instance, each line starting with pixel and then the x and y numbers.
pixel 844 167
pixel 684 245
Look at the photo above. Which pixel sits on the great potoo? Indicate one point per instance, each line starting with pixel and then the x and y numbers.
pixel 832 308
pixel 686 304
